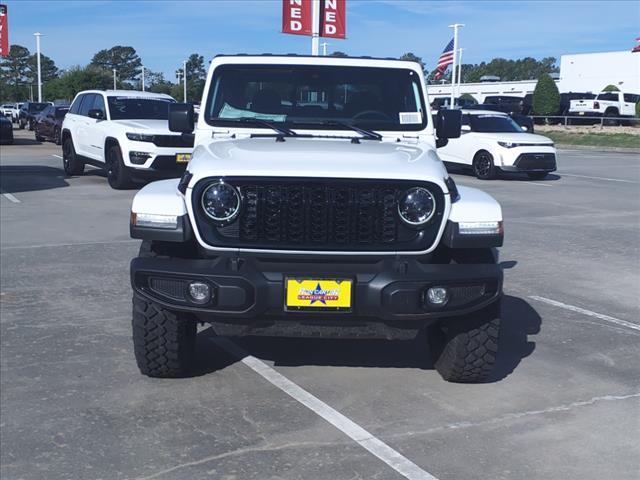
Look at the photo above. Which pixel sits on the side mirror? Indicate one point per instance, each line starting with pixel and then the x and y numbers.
pixel 97 114
pixel 448 124
pixel 181 117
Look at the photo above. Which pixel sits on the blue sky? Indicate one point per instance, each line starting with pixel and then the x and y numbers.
pixel 166 32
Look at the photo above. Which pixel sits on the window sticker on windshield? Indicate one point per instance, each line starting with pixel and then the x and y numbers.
pixel 410 118
pixel 229 112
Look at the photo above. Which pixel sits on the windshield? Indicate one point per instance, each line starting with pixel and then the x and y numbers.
pixel 493 123
pixel 131 108
pixel 299 95
pixel 37 107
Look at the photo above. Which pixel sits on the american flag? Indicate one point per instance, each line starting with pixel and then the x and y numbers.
pixel 446 59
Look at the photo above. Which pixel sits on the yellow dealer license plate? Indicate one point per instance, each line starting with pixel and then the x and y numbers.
pixel 319 295
pixel 183 157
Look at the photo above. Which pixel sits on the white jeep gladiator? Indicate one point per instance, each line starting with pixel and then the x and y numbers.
pixel 315 204
pixel 611 105
pixel 126 133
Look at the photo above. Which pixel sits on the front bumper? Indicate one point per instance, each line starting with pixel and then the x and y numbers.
pixel 532 162
pixel 162 167
pixel 249 290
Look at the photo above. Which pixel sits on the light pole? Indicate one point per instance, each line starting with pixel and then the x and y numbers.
pixel 455 27
pixel 184 79
pixel 324 46
pixel 38 35
pixel 114 79
pixel 143 78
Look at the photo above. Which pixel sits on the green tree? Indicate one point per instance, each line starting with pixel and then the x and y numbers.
pixel 638 109
pixel 124 59
pixel 15 73
pixel 196 75
pixel 156 83
pixel 48 69
pixel 546 97
pixel 338 53
pixel 76 79
pixel 410 57
pixel 610 88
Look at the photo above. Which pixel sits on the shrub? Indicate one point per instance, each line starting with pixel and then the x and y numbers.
pixel 546 97
pixel 610 88
pixel 638 109
pixel 468 97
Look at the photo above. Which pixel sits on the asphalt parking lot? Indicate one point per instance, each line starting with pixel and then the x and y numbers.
pixel 564 402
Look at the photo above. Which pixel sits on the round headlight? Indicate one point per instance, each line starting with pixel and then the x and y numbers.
pixel 417 206
pixel 221 202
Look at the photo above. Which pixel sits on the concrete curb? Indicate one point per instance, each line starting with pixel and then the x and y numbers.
pixel 563 146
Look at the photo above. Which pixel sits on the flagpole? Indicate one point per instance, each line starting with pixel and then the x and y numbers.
pixel 315 28
pixel 455 27
pixel 459 72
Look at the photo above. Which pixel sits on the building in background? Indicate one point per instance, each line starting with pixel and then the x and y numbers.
pixel 583 72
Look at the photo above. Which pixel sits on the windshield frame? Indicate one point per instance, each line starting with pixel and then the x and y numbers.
pixel 317 122
pixel 166 100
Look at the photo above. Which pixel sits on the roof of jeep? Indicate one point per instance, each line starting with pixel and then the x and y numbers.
pixel 312 59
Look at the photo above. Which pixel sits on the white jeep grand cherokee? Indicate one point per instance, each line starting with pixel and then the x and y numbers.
pixel 316 204
pixel 125 132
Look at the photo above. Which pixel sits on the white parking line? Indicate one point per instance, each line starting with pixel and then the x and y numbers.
pixel 539 184
pixel 57 156
pixel 617 321
pixel 9 197
pixel 366 440
pixel 598 178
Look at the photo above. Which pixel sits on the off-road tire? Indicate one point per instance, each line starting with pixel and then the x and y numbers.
pixel 164 342
pixel 464 349
pixel 483 166
pixel 70 161
pixel 537 175
pixel 39 138
pixel 117 174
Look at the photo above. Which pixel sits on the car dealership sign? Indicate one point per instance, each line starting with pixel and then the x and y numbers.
pixel 299 17
pixel 4 31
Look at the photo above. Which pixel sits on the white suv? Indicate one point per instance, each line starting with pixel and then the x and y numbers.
pixel 316 205
pixel 492 142
pixel 126 133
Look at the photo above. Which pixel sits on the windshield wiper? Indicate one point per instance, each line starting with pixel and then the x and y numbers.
pixel 365 133
pixel 283 131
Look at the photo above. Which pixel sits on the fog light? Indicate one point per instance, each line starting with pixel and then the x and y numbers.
pixel 437 296
pixel 138 158
pixel 199 292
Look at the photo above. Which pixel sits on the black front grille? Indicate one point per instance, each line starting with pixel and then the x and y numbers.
pixel 536 161
pixel 328 214
pixel 185 141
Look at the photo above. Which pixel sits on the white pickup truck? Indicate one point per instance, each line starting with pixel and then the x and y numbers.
pixel 607 104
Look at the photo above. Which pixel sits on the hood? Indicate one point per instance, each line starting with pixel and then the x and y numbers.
pixel 314 157
pixel 515 137
pixel 144 126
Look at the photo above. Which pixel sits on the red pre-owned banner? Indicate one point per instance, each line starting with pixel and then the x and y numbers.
pixel 297 17
pixel 333 18
pixel 4 31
